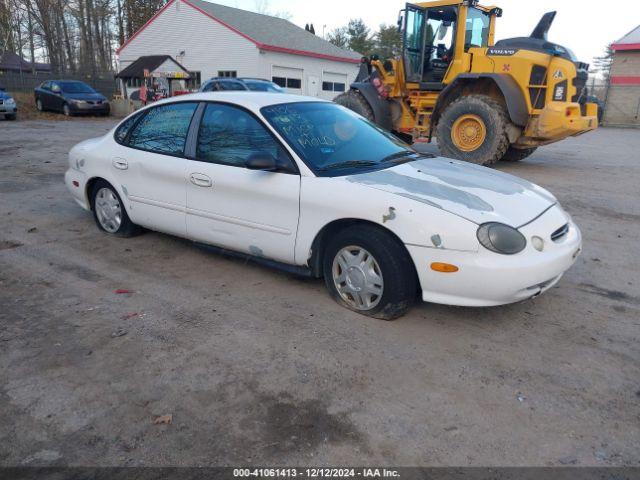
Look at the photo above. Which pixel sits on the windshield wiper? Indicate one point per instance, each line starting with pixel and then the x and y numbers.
pixel 349 163
pixel 400 156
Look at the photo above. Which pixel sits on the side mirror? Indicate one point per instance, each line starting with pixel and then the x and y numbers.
pixel 261 161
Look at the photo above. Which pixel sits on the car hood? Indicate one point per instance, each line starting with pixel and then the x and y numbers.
pixel 476 193
pixel 85 96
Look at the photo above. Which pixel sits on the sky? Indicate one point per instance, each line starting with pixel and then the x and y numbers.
pixel 584 26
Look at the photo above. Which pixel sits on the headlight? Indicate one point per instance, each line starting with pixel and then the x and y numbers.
pixel 500 238
pixel 9 101
pixel 79 102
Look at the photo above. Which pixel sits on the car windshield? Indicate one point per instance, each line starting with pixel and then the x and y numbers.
pixel 258 86
pixel 335 141
pixel 76 87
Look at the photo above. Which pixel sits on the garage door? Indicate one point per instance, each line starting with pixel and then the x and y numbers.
pixel 289 78
pixel 333 83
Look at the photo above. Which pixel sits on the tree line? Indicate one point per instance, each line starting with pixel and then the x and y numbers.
pixel 71 35
pixel 386 42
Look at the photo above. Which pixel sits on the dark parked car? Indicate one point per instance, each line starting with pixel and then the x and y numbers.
pixel 70 97
pixel 8 107
pixel 262 85
pixel 223 83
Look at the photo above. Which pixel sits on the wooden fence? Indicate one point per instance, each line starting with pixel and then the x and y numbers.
pixel 105 83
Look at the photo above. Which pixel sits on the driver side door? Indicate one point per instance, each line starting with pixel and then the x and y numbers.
pixel 250 211
pixel 413 42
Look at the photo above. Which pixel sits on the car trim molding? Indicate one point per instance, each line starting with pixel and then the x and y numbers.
pixel 237 221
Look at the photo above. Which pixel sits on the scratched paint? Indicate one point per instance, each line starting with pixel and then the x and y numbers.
pixel 422 189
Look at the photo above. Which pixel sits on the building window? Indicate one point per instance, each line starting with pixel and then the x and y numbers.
pixel 294 83
pixel 227 73
pixel 281 81
pixel 333 86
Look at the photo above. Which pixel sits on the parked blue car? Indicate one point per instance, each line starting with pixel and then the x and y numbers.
pixel 8 106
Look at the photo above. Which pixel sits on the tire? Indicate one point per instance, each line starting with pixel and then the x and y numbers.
pixel 66 110
pixel 11 116
pixel 517 154
pixel 39 106
pixel 103 192
pixel 393 269
pixel 490 141
pixel 354 100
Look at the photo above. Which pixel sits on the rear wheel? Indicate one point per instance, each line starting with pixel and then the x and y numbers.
pixel 109 211
pixel 474 129
pixel 370 272
pixel 354 100
pixel 517 154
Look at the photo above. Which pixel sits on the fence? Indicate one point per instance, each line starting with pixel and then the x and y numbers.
pixel 104 83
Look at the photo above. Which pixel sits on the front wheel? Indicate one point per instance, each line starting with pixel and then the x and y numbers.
pixel 39 105
pixel 66 110
pixel 370 272
pixel 11 116
pixel 473 128
pixel 109 212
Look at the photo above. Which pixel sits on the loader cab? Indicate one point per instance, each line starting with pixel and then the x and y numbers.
pixel 432 39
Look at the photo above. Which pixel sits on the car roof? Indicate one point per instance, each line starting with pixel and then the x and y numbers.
pixel 248 99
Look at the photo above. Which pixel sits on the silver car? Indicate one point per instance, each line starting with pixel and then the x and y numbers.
pixel 8 106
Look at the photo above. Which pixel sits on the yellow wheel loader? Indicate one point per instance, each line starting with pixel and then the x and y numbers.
pixel 484 101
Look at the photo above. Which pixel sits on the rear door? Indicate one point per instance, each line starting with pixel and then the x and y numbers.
pixel 228 205
pixel 151 166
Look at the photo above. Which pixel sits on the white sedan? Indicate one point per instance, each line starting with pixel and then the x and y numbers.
pixel 313 188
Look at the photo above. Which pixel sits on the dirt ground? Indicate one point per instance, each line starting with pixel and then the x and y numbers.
pixel 260 367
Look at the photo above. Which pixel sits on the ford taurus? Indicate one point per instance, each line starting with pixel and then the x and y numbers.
pixel 311 187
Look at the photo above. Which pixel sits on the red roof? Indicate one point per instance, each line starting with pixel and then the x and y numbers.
pixel 631 41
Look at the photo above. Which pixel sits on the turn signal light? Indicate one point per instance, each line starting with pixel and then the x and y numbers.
pixel 444 267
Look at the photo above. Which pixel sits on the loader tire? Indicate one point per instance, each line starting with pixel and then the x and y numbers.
pixel 517 154
pixel 354 100
pixel 473 128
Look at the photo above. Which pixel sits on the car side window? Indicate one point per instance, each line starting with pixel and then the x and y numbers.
pixel 46 86
pixel 55 88
pixel 164 129
pixel 208 87
pixel 123 129
pixel 230 135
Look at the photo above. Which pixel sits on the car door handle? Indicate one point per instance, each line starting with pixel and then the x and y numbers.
pixel 120 163
pixel 200 180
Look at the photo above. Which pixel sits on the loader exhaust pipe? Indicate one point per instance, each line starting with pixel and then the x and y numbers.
pixel 541 30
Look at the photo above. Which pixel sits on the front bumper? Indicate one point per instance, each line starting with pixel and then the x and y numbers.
pixel 557 121
pixel 76 182
pixel 90 108
pixel 8 110
pixel 486 279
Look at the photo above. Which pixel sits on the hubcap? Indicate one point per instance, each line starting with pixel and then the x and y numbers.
pixel 468 132
pixel 358 278
pixel 108 210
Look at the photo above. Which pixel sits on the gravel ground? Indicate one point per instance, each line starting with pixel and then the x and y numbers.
pixel 257 366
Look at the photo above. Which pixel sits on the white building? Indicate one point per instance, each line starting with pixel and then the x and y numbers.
pixel 212 40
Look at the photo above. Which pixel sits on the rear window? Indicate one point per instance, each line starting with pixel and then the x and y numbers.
pixel 123 130
pixel 164 129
